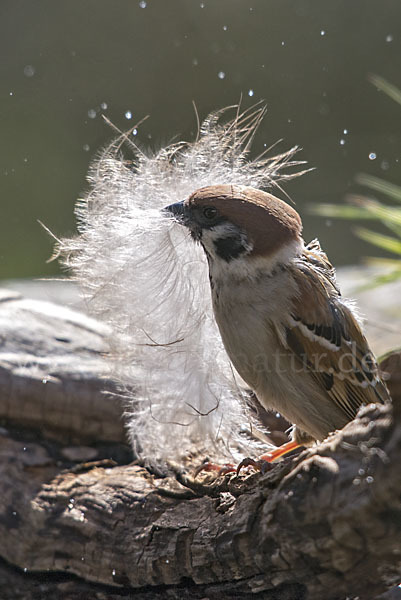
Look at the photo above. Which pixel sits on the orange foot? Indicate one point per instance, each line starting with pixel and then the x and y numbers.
pixel 262 465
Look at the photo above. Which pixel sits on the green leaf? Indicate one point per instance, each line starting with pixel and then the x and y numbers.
pixel 341 211
pixel 382 262
pixel 380 185
pixel 388 215
pixel 381 211
pixel 386 242
pixel 385 86
pixel 382 279
pixel 365 209
pixel 394 227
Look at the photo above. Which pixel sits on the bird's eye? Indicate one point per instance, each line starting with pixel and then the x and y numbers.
pixel 210 212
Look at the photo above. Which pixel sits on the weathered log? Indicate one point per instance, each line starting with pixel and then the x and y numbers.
pixel 325 524
pixel 52 376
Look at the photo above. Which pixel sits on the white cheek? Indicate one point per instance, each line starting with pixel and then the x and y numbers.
pixel 208 238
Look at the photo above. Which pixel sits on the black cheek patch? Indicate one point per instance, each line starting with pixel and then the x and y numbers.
pixel 228 248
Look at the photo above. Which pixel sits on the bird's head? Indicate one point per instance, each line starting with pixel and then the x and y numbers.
pixel 237 222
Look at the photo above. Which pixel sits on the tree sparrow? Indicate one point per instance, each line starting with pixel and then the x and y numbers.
pixel 288 332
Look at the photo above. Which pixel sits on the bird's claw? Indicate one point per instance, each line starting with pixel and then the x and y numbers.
pixel 261 465
pixel 213 467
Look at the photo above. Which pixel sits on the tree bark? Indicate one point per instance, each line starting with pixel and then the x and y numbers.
pixel 52 376
pixel 325 524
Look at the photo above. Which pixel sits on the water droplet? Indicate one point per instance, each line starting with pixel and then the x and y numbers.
pixel 92 113
pixel 283 43
pixel 24 449
pixel 167 561
pixel 389 38
pixel 384 165
pixel 103 105
pixel 29 71
pixel 86 147
pixel 369 479
pixel 324 109
pixel 277 415
pixel 356 481
pixel 221 74
pixel 143 4
pixel 322 32
pixel 25 160
pixel 342 142
pixel 135 132
pixel 113 572
pixel 372 156
pixel 361 472
pixel 14 513
pixel 11 93
pixel 82 558
pixel 44 380
pixel 128 114
pixel 345 132
pixel 225 27
pixel 25 569
pixel 250 93
pixel 289 120
pixel 195 62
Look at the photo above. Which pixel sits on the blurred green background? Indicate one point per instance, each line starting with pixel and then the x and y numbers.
pixel 63 64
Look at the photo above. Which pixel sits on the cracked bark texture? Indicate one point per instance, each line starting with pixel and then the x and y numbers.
pixel 52 375
pixel 78 519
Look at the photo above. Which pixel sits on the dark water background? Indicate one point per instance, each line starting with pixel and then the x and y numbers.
pixel 62 61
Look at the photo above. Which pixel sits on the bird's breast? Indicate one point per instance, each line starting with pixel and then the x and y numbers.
pixel 250 314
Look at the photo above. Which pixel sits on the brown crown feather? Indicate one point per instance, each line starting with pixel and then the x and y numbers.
pixel 268 221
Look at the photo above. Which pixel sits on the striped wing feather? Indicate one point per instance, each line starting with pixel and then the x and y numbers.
pixel 326 336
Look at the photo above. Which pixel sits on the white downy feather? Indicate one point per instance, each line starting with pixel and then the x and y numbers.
pixel 141 273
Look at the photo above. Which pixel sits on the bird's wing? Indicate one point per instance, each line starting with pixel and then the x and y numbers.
pixel 324 334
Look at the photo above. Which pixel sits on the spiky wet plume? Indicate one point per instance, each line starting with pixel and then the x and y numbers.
pixel 140 272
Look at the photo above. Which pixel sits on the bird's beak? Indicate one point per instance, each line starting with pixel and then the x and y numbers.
pixel 182 214
pixel 179 211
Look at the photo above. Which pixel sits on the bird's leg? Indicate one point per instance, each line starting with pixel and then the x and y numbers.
pixel 210 467
pixel 264 461
pixel 280 451
pixel 262 464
